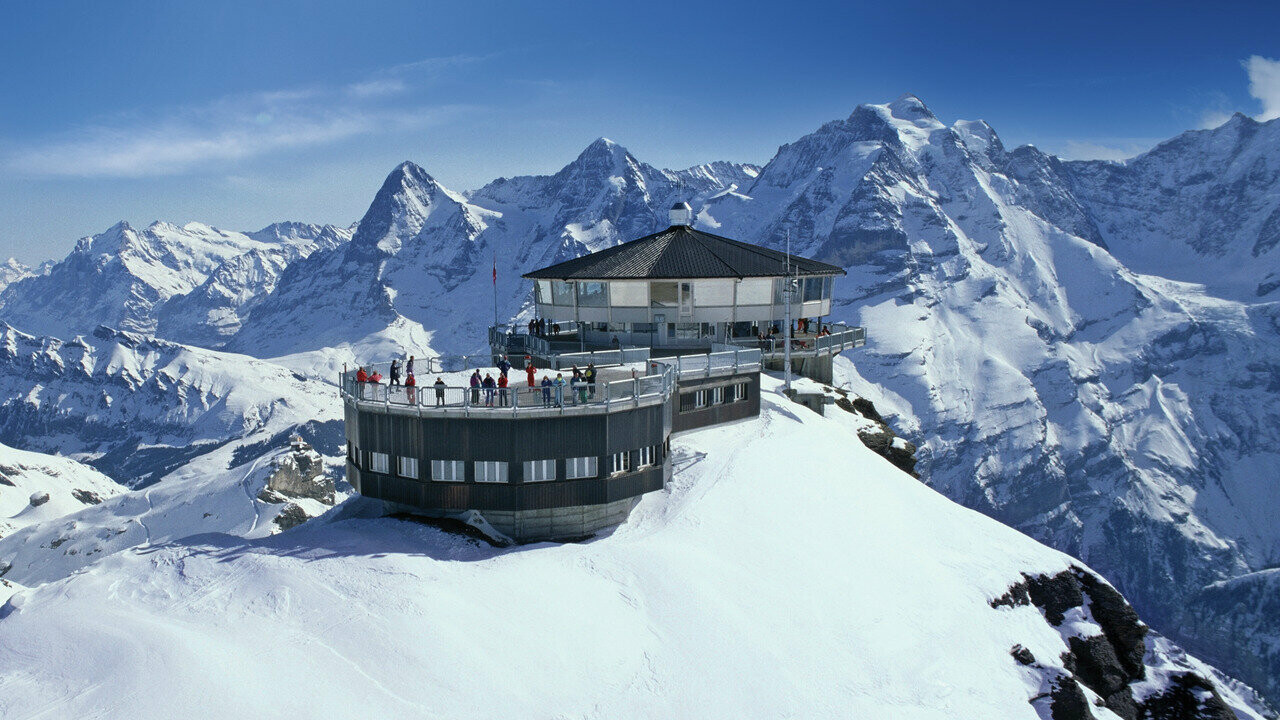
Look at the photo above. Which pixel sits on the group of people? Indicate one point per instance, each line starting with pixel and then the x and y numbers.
pixel 538 327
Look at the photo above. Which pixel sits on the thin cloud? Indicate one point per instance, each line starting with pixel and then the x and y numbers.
pixel 1104 150
pixel 235 128
pixel 1264 84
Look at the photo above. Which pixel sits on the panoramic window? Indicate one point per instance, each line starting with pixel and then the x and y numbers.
pixel 663 294
pixel 621 462
pixel 581 467
pixel 539 470
pixel 812 289
pixel 592 294
pixel 629 293
pixel 379 462
pixel 562 293
pixel 491 471
pixel 448 470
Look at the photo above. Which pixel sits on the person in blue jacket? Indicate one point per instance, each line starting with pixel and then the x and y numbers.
pixel 546 391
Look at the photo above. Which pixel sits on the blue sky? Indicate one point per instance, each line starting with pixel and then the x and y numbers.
pixel 239 114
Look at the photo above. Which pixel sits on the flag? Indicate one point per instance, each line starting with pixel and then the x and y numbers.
pixel 495 269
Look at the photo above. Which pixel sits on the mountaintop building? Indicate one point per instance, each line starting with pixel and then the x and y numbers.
pixel 681 288
pixel 674 327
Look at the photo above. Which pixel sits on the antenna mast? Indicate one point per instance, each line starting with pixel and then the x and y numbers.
pixel 787 291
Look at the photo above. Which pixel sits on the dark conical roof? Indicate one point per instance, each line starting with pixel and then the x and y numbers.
pixel 681 252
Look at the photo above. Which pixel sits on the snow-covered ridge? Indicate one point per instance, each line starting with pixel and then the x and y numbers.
pixel 763 583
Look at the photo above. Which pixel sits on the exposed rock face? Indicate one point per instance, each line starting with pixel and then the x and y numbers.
pixel 300 474
pixel 39 498
pixel 882 439
pixel 291 517
pixel 1106 650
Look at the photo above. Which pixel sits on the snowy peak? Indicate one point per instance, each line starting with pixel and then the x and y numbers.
pixel 408 201
pixel 912 109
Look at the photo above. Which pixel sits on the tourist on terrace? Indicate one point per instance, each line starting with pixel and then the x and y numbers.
pixel 546 391
pixel 489 385
pixel 559 384
pixel 531 371
pixel 502 390
pixel 503 366
pixel 581 396
pixel 376 377
pixel 409 384
pixel 439 385
pixel 475 387
pixel 395 372
pixel 362 376
pixel 590 377
pixel 408 367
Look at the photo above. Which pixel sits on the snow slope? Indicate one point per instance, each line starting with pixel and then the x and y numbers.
pixel 36 487
pixel 764 583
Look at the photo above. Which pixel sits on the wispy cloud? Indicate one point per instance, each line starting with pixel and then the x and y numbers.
pixel 1105 149
pixel 236 128
pixel 1264 84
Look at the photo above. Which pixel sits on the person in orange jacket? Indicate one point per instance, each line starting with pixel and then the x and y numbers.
pixel 502 390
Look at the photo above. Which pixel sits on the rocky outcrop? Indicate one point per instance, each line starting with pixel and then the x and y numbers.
pixel 880 438
pixel 1107 664
pixel 299 474
pixel 290 517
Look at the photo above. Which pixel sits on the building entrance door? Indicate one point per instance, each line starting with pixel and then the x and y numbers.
pixel 686 300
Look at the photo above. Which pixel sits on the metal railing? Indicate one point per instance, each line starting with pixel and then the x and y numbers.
pixel 515 400
pixel 841 337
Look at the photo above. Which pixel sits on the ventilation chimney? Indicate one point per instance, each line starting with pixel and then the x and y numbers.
pixel 681 214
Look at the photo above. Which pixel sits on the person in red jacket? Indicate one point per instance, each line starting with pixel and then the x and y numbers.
pixel 410 383
pixel 531 371
pixel 502 390
pixel 362 376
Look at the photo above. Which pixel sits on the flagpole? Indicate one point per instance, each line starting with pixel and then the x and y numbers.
pixel 495 288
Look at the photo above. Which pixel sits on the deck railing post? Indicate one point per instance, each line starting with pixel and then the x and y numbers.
pixel 635 391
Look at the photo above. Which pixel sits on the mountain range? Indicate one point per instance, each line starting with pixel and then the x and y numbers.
pixel 1085 351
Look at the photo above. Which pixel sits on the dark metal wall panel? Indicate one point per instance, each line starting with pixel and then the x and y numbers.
pixel 719 413
pixel 505 496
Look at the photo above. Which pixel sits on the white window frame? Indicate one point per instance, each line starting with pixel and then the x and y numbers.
pixel 646 456
pixel 739 392
pixel 379 462
pixel 539 470
pixel 621 462
pixel 448 470
pixel 699 399
pixel 491 471
pixel 717 395
pixel 407 467
pixel 580 468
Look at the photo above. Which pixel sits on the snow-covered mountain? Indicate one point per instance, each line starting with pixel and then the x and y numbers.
pixel 738 592
pixel 424 255
pixel 35 487
pixel 137 407
pixel 1085 351
pixel 124 277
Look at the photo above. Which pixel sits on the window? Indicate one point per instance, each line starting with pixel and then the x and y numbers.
pixel 646 456
pixel 539 470
pixel 779 289
pixel 738 391
pixel 663 294
pixel 688 331
pixel 379 462
pixel 644 327
pixel 562 293
pixel 491 471
pixel 629 293
pixel 448 470
pixel 700 399
pixel 592 294
pixel 543 290
pixel 408 467
pixel 621 462
pixel 755 291
pixel 686 401
pixel 717 396
pixel 812 289
pixel 581 467
pixel 826 287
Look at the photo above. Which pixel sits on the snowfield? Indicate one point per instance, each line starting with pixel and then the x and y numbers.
pixel 787 572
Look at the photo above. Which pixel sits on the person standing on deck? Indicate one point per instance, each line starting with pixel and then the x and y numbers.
pixel 362 376
pixel 559 385
pixel 408 367
pixel 410 383
pixel 531 371
pixel 502 390
pixel 395 372
pixel 475 387
pixel 590 376
pixel 546 391
pixel 503 366
pixel 439 392
pixel 489 385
